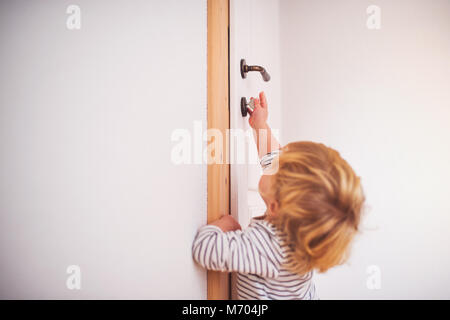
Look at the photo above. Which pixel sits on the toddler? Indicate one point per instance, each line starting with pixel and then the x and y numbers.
pixel 314 201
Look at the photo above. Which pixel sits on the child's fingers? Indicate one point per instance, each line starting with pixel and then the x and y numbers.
pixel 250 118
pixel 262 96
pixel 256 107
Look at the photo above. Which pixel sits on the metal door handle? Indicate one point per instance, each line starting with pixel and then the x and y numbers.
pixel 246 68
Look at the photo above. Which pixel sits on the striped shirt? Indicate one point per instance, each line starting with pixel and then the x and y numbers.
pixel 266 160
pixel 259 254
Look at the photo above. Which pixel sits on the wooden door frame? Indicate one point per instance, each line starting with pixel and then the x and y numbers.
pixel 218 187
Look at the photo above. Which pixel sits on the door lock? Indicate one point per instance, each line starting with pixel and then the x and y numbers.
pixel 245 105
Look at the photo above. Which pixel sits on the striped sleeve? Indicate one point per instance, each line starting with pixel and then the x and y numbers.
pixel 266 160
pixel 250 251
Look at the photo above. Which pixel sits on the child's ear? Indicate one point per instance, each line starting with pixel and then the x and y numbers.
pixel 274 205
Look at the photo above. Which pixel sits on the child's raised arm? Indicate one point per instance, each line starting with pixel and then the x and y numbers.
pixel 265 140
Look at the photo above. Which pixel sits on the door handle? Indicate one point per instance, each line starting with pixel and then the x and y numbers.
pixel 245 105
pixel 246 68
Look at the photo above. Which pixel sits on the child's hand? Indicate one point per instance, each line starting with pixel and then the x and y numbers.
pixel 258 117
pixel 227 223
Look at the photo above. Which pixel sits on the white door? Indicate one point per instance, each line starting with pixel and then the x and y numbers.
pixel 254 37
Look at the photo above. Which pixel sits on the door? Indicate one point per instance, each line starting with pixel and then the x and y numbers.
pixel 254 36
pixel 254 31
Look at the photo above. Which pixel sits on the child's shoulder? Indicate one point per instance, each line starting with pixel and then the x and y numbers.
pixel 262 228
pixel 262 223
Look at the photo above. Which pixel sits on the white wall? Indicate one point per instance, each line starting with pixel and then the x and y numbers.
pixel 86 176
pixel 381 98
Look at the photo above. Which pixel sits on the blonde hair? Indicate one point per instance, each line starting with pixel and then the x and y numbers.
pixel 320 201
